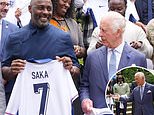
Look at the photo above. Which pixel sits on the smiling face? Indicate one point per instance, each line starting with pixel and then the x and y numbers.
pixel 41 12
pixel 4 7
pixel 62 7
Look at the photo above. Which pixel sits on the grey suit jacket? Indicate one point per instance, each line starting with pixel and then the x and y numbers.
pixel 95 73
pixel 144 106
pixel 2 96
pixel 7 28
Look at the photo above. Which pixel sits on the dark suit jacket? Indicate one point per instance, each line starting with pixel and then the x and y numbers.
pixel 144 106
pixel 140 7
pixel 95 73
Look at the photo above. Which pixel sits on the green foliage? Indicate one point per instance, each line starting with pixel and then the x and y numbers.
pixel 129 73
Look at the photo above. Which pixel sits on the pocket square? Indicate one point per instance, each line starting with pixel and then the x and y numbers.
pixel 149 91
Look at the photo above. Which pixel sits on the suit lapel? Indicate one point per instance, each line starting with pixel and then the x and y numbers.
pixel 4 31
pixel 125 57
pixel 145 90
pixel 102 56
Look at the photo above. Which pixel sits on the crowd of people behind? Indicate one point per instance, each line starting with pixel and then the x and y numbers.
pixel 84 35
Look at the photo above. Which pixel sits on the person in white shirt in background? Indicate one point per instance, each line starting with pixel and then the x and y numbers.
pixel 100 8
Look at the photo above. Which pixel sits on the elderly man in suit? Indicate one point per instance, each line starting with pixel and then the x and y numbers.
pixel 97 70
pixel 6 29
pixel 142 96
pixel 6 26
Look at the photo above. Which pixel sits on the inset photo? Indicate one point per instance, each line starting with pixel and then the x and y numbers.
pixel 131 92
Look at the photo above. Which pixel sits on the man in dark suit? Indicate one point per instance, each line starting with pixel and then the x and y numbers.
pixel 142 96
pixel 96 71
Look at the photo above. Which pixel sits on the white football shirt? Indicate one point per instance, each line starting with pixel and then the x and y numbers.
pixel 43 89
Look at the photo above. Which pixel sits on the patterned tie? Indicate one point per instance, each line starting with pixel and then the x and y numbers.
pixel 112 64
pixel 141 92
pixel 149 10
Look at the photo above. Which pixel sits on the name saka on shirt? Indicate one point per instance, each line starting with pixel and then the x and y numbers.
pixel 39 74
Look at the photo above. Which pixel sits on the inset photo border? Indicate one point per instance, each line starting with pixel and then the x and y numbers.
pixel 123 83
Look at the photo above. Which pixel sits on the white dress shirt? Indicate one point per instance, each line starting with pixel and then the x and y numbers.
pixel 118 53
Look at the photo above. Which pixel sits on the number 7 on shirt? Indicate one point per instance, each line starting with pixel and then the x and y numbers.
pixel 44 99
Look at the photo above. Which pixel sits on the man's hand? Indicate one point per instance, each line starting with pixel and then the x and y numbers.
pixel 79 51
pixel 18 13
pixel 116 97
pixel 17 66
pixel 136 44
pixel 99 44
pixel 87 106
pixel 67 62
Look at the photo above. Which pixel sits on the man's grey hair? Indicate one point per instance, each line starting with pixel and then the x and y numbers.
pixel 140 75
pixel 117 21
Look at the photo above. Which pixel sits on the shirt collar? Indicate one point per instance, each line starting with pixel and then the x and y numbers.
pixel 118 49
pixel 144 84
pixel 0 22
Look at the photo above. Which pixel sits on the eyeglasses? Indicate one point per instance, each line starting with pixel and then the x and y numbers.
pixel 3 4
